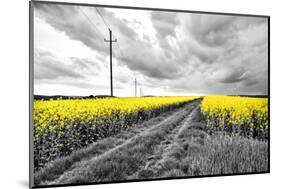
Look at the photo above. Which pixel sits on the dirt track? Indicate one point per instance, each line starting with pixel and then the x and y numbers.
pixel 153 138
pixel 174 144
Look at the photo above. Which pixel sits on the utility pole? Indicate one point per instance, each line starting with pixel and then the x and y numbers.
pixel 110 51
pixel 136 87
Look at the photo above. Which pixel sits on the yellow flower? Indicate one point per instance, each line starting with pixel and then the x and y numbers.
pixel 58 115
pixel 236 111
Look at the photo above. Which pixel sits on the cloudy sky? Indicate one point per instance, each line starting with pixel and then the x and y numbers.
pixel 169 53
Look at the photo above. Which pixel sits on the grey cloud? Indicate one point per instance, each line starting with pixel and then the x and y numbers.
pixel 164 23
pixel 48 66
pixel 50 69
pixel 224 55
pixel 81 63
pixel 123 28
pixel 150 64
pixel 72 22
pixel 211 30
pixel 250 82
pixel 86 65
pixel 218 30
pixel 235 49
pixel 120 24
pixel 211 53
pixel 232 75
pixel 208 55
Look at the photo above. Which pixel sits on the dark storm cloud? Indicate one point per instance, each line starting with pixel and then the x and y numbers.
pixel 251 82
pixel 235 49
pixel 152 66
pixel 140 54
pixel 206 55
pixel 115 23
pixel 190 52
pixel 231 75
pixel 228 47
pixel 211 30
pixel 71 21
pixel 164 23
pixel 143 59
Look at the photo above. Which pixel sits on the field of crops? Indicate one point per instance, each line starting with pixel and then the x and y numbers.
pixel 108 139
pixel 242 115
pixel 62 126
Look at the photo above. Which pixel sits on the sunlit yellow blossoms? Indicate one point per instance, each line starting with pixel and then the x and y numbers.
pixel 63 126
pixel 249 115
pixel 57 115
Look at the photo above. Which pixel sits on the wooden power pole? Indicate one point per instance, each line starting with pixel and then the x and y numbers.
pixel 110 51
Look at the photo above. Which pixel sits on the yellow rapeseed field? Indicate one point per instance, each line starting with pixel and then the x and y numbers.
pixel 242 113
pixel 63 126
pixel 58 115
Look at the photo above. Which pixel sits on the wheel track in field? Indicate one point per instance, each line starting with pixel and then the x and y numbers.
pixel 156 163
pixel 170 126
pixel 97 148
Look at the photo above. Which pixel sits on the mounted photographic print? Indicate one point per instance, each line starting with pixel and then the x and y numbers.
pixel 122 94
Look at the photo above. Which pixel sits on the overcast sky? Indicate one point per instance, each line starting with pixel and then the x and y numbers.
pixel 169 53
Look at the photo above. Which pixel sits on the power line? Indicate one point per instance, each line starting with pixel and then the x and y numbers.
pixel 110 40
pixel 100 33
pixel 107 25
pixel 102 18
pixel 83 12
pixel 87 17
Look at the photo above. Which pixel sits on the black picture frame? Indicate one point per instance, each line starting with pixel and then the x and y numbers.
pixel 31 88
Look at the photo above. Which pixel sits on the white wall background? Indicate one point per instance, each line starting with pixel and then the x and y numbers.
pixel 14 93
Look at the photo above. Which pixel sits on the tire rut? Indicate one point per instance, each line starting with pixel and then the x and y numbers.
pixel 164 150
pixel 97 148
pixel 170 125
